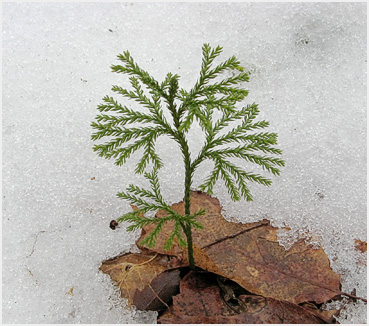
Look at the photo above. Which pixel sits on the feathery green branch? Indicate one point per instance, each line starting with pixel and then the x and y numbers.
pixel 212 94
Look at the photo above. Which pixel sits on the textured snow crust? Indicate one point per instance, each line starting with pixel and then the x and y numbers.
pixel 308 64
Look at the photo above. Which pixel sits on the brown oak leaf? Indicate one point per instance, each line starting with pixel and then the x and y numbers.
pixel 250 255
pixel 200 302
pixel 159 292
pixel 361 245
pixel 145 279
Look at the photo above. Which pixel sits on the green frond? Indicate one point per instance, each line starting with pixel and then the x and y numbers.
pixel 123 134
pixel 138 96
pixel 166 83
pixel 266 162
pixel 210 181
pixel 187 122
pixel 265 148
pixel 173 88
pixel 121 154
pixel 230 64
pixel 257 125
pixel 206 74
pixel 111 105
pixel 137 220
pixel 230 184
pixel 243 151
pixel 196 225
pixel 138 191
pixel 265 138
pixel 209 108
pixel 230 116
pixel 176 233
pixel 248 114
pixel 150 240
pixel 139 202
pixel 190 218
pixel 154 182
pixel 236 187
pixel 240 177
pixel 237 94
pixel 131 68
pixel 111 120
pixel 157 91
pixel 149 155
pixel 182 243
pixel 204 122
pixel 209 55
pixel 126 115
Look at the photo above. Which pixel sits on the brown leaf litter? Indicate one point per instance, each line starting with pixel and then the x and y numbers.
pixel 274 285
pixel 200 302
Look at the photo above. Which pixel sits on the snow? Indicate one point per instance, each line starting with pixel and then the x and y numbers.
pixel 308 63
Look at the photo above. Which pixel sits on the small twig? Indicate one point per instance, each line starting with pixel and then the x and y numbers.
pixel 262 223
pixel 157 296
pixel 30 273
pixel 135 266
pixel 353 296
pixel 33 247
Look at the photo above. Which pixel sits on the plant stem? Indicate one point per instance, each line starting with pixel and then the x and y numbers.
pixel 187 202
pixel 191 259
pixel 187 197
pixel 181 139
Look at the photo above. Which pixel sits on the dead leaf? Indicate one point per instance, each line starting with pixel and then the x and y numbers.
pixel 250 255
pixel 216 228
pixel 200 302
pixel 325 315
pixel 360 246
pixel 159 292
pixel 70 292
pixel 135 272
pixel 264 267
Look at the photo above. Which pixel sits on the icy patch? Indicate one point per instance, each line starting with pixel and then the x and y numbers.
pixel 350 312
pixel 287 238
pixel 353 313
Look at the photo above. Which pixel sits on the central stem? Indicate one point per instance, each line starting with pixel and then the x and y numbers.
pixel 187 202
pixel 181 139
pixel 187 197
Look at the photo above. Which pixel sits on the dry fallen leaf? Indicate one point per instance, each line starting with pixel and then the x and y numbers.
pixel 200 302
pixel 216 228
pixel 326 315
pixel 143 279
pixel 250 255
pixel 361 245
pixel 156 295
pixel 70 292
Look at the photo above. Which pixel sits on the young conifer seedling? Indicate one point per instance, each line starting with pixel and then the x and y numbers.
pixel 212 93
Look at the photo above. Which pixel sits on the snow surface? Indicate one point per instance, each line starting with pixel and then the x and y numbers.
pixel 308 63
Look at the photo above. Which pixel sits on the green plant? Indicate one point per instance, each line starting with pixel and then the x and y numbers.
pixel 200 103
